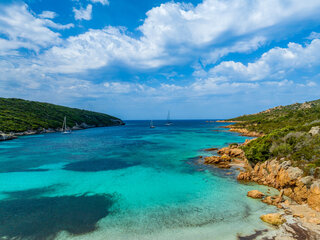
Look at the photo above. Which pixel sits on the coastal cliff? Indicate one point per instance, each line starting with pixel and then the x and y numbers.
pixel 286 151
pixel 285 155
pixel 298 200
pixel 282 176
pixel 21 117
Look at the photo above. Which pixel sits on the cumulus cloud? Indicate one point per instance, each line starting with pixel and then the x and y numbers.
pixel 98 48
pixel 277 63
pixel 83 13
pixel 22 29
pixel 177 33
pixel 314 35
pixel 103 2
pixel 47 14
pixel 171 34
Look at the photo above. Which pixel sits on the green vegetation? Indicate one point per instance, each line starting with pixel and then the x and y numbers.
pixel 17 115
pixel 286 135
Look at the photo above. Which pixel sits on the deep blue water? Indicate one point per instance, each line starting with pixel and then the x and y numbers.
pixel 128 182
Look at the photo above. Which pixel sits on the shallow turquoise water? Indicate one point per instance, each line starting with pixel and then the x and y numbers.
pixel 149 178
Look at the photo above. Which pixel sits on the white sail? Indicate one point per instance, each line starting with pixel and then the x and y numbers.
pixel 64 126
pixel 168 123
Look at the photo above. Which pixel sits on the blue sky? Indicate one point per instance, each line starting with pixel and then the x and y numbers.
pixel 137 59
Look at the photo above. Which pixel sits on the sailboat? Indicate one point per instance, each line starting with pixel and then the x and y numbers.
pixel 151 124
pixel 64 127
pixel 168 123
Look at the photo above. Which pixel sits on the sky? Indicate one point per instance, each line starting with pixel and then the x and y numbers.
pixel 138 59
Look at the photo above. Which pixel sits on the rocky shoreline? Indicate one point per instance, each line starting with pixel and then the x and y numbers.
pixel 242 131
pixel 82 126
pixel 298 202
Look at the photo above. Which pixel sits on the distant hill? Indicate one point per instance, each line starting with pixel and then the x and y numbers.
pixel 296 115
pixel 290 132
pixel 17 115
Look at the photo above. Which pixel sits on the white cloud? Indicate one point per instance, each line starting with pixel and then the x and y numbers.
pixel 98 48
pixel 213 21
pixel 47 14
pixel 21 29
pixel 83 13
pixel 103 2
pixel 313 35
pixel 241 46
pixel 277 63
pixel 172 33
pixel 58 26
pixel 176 33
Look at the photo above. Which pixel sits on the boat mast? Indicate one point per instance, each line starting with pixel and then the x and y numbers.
pixel 64 125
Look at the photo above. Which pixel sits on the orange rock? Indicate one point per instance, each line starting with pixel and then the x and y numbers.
pixel 223 165
pixel 273 218
pixel 255 194
pixel 314 196
pixel 212 160
pixel 268 200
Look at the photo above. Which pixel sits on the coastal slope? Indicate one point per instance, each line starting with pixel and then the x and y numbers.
pixel 285 132
pixel 285 154
pixel 18 116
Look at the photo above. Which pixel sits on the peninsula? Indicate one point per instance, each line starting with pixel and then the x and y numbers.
pixel 20 117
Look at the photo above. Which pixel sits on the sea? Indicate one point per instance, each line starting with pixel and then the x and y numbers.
pixel 128 182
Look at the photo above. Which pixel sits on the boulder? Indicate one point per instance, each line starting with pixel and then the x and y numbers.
pixel 301 194
pixel 5 137
pixel 243 176
pixel 268 200
pixel 294 173
pixel 305 181
pixel 285 164
pixel 255 194
pixel 212 160
pixel 211 149
pixel 314 196
pixel 315 131
pixel 273 218
pixel 288 176
pixel 223 165
pixel 225 158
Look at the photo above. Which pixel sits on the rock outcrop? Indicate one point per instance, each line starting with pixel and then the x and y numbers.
pixel 232 152
pixel 287 178
pixel 245 132
pixel 313 198
pixel 221 162
pixel 273 218
pixel 314 131
pixel 227 155
pixel 6 137
pixel 14 135
pixel 255 194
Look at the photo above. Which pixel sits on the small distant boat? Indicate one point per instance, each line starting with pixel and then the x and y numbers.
pixel 168 123
pixel 151 124
pixel 64 127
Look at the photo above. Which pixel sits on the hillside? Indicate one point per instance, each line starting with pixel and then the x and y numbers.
pixel 17 115
pixel 287 135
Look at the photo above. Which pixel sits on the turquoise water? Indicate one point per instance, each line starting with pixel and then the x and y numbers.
pixel 129 182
